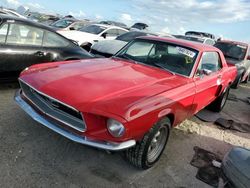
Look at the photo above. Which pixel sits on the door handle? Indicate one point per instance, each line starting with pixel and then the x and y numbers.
pixel 40 53
pixel 219 77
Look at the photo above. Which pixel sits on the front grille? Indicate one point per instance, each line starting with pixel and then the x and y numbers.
pixel 54 108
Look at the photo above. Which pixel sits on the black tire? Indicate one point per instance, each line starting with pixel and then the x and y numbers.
pixel 236 83
pixel 219 103
pixel 141 155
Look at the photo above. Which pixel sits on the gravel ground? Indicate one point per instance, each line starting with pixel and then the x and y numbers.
pixel 33 156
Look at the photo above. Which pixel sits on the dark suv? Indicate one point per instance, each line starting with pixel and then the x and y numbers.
pixel 24 43
pixel 238 54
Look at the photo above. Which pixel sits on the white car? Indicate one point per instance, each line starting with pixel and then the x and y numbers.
pixel 108 48
pixel 11 13
pixel 194 38
pixel 91 34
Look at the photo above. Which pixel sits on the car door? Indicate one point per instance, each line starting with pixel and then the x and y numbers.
pixel 55 46
pixel 22 47
pixel 208 80
pixel 111 34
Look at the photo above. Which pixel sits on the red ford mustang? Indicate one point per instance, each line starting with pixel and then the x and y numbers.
pixel 130 101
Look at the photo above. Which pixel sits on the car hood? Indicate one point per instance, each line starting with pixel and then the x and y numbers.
pixel 101 86
pixel 78 36
pixel 109 46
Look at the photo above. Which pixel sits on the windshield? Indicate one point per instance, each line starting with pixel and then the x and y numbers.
pixel 232 50
pixel 93 29
pixel 167 56
pixel 130 36
pixel 62 23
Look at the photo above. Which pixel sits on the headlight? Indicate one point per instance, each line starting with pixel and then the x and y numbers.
pixel 115 128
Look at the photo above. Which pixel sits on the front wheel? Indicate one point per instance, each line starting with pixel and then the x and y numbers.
pixel 220 102
pixel 148 151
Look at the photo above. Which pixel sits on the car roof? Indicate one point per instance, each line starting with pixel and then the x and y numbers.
pixel 193 36
pixel 113 22
pixel 5 18
pixel 71 19
pixel 198 37
pixel 190 44
pixel 199 33
pixel 234 42
pixel 109 26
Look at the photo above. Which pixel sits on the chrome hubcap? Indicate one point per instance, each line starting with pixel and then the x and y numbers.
pixel 157 144
pixel 224 99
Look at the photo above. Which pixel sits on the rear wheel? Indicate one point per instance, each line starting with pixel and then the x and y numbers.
pixel 236 83
pixel 148 151
pixel 246 80
pixel 220 102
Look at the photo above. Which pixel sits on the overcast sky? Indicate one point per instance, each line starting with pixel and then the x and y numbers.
pixel 227 18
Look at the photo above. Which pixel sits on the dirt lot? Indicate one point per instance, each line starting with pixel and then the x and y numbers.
pixel 33 156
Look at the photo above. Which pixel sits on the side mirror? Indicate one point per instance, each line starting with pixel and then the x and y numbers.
pixel 248 57
pixel 206 72
pixel 72 28
pixel 104 35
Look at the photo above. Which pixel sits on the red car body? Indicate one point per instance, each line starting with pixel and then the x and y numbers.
pixel 133 94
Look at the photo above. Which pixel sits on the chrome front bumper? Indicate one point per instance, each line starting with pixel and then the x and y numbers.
pixel 111 146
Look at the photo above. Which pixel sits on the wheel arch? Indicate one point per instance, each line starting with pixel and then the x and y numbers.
pixel 167 113
pixel 171 117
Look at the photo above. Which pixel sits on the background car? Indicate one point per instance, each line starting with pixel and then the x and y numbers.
pixel 238 54
pixel 108 48
pixel 11 13
pixel 69 24
pixel 119 24
pixel 90 34
pixel 48 19
pixel 201 34
pixel 194 38
pixel 34 16
pixel 24 43
pixel 139 26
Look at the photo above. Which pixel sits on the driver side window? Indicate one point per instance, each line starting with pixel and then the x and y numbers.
pixel 54 40
pixel 210 61
pixel 111 33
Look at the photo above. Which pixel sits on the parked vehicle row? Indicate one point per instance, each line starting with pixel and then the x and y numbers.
pixel 194 38
pixel 93 33
pixel 69 24
pixel 108 48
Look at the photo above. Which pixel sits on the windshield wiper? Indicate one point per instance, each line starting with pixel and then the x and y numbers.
pixel 228 56
pixel 124 56
pixel 161 66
